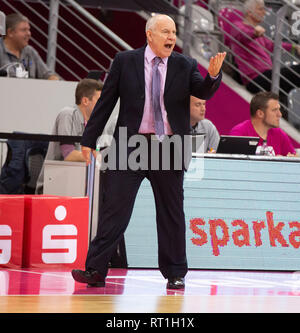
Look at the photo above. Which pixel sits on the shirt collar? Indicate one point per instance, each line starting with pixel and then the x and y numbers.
pixel 6 50
pixel 79 114
pixel 150 55
pixel 194 128
pixel 3 45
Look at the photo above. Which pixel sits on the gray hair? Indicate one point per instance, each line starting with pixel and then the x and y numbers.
pixel 12 20
pixel 151 22
pixel 249 5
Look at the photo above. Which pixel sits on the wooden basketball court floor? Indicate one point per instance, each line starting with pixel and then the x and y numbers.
pixel 144 291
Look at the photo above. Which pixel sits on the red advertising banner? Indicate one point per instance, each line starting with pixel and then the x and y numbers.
pixel 55 231
pixel 11 230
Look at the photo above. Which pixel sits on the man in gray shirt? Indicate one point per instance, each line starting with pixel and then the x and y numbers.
pixel 14 49
pixel 200 125
pixel 71 121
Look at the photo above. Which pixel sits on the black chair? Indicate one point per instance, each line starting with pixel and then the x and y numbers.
pixel 23 162
pixel 34 160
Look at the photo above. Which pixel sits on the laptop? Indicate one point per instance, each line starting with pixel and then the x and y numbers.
pixel 245 145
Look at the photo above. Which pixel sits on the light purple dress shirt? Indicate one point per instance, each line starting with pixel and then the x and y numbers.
pixel 147 124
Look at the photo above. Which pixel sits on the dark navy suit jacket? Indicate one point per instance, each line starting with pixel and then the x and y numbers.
pixel 126 81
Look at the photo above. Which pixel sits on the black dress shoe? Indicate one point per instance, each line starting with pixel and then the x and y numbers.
pixel 91 277
pixel 175 283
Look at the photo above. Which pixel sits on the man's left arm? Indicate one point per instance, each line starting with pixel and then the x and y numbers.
pixel 214 137
pixel 215 64
pixel 42 70
pixel 205 89
pixel 287 145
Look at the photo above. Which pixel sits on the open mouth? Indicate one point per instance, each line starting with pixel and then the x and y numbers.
pixel 169 46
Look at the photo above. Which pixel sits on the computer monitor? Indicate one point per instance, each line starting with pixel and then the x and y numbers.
pixel 237 145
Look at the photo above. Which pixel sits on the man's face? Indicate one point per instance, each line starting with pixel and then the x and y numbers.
pixel 20 35
pixel 92 102
pixel 197 108
pixel 272 114
pixel 162 37
pixel 258 13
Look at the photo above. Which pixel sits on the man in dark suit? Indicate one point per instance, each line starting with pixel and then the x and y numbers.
pixel 154 103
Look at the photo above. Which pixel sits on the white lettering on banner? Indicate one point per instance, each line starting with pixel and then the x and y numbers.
pixel 220 233
pixel 295 28
pixel 5 244
pixel 57 246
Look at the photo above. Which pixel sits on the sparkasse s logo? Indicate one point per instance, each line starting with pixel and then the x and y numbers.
pixel 59 241
pixel 5 244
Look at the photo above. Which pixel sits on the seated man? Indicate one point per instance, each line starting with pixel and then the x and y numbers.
pixel 254 53
pixel 264 123
pixel 71 121
pixel 14 48
pixel 204 126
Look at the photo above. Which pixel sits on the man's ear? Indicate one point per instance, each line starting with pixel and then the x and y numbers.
pixel 260 113
pixel 84 100
pixel 9 32
pixel 149 35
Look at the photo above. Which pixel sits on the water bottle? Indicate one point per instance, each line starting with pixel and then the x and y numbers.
pixel 264 148
pixel 98 158
pixel 21 73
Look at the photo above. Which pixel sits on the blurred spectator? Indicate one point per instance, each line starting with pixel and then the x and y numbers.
pixel 264 123
pixel 14 49
pixel 200 125
pixel 254 54
pixel 71 121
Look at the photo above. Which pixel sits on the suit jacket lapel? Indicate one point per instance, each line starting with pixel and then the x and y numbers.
pixel 139 62
pixel 171 71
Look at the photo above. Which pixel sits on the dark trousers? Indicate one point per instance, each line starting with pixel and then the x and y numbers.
pixel 120 188
pixel 287 76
